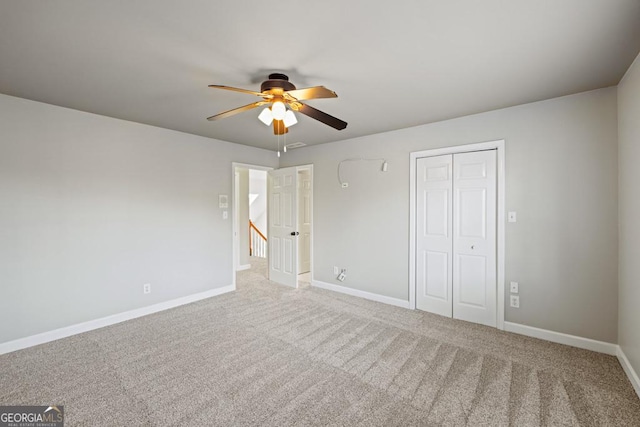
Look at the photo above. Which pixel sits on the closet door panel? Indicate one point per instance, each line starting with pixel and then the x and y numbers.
pixel 434 243
pixel 474 237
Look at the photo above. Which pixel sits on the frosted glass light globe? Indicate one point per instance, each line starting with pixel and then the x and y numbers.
pixel 278 110
pixel 289 119
pixel 266 117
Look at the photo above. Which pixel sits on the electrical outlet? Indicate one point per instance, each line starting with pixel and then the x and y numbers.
pixel 514 287
pixel 342 275
pixel 515 301
pixel 146 288
pixel 336 270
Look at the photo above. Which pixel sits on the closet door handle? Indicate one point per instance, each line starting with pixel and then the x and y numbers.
pixel 294 233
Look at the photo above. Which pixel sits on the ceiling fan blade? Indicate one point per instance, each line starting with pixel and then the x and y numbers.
pixel 236 89
pixel 323 117
pixel 237 110
pixel 312 93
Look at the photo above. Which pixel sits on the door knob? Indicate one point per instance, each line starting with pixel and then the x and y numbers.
pixel 473 247
pixel 294 233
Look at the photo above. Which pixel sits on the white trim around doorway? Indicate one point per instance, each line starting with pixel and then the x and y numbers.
pixel 498 145
pixel 309 168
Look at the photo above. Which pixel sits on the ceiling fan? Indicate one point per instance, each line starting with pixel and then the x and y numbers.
pixel 284 99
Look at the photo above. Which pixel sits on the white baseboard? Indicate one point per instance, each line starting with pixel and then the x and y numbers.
pixel 56 334
pixel 362 294
pixel 243 267
pixel 628 369
pixel 560 338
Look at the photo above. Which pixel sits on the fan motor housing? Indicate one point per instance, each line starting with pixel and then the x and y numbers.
pixel 277 81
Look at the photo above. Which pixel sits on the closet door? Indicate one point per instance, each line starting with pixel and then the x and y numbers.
pixel 434 240
pixel 474 237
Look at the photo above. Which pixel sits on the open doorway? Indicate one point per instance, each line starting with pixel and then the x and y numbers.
pixel 273 222
pixel 257 213
pixel 250 238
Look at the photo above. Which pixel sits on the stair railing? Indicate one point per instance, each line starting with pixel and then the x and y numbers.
pixel 257 242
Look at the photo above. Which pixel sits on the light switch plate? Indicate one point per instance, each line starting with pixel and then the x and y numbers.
pixel 223 201
pixel 225 214
pixel 512 217
pixel 513 287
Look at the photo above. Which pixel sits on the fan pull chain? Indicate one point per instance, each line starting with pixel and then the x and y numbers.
pixel 284 144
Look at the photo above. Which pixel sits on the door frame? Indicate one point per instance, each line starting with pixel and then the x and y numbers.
pixel 499 146
pixel 308 167
pixel 234 219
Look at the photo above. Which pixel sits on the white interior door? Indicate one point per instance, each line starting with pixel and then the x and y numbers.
pixel 434 240
pixel 304 221
pixel 282 223
pixel 474 237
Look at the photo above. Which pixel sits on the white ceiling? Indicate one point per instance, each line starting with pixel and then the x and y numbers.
pixel 393 64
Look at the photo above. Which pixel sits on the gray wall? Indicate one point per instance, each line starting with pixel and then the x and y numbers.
pixel 629 182
pixel 561 158
pixel 91 208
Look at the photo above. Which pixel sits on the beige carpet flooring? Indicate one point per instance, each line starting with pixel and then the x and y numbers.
pixel 270 355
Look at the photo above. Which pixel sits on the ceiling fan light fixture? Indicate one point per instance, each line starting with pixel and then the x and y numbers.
pixel 266 116
pixel 289 119
pixel 277 91
pixel 278 110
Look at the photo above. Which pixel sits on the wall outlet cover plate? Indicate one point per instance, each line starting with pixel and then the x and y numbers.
pixel 515 301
